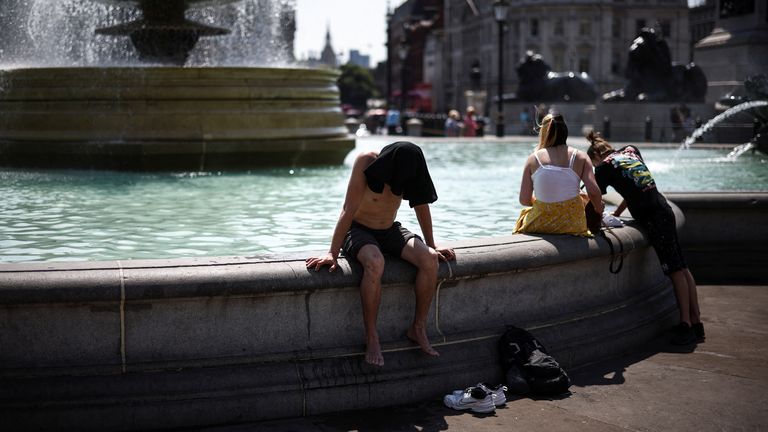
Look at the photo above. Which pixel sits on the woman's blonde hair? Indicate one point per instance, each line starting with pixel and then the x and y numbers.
pixel 598 146
pixel 552 131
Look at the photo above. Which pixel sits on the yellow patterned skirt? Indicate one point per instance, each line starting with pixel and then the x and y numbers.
pixel 564 217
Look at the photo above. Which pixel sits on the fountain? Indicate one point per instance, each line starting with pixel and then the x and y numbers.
pixel 211 340
pixel 174 99
pixel 755 101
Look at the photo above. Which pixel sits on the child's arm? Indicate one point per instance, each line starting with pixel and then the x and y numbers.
pixel 620 209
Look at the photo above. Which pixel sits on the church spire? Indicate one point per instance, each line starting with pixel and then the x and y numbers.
pixel 328 56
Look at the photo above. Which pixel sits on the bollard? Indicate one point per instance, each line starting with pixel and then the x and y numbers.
pixel 413 127
pixel 648 128
pixel 607 127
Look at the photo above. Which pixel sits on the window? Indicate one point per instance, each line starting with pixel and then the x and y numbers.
pixel 558 57
pixel 585 28
pixel 616 27
pixel 616 63
pixel 584 64
pixel 666 28
pixel 534 27
pixel 559 31
pixel 732 8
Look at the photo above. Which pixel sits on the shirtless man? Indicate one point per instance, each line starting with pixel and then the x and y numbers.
pixel 367 227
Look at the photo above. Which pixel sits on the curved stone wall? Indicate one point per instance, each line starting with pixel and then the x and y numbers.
pixel 190 342
pixel 166 118
pixel 725 236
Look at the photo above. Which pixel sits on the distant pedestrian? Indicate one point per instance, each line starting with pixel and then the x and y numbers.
pixel 470 122
pixel 393 121
pixel 525 122
pixel 453 124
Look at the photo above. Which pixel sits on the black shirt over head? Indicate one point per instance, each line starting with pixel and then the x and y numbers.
pixel 402 166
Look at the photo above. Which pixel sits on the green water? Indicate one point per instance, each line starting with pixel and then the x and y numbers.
pixel 85 215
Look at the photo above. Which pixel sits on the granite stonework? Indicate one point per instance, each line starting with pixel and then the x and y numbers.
pixel 627 120
pixel 192 342
pixel 170 118
pixel 725 236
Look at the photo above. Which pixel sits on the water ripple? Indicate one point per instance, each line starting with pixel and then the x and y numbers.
pixel 87 215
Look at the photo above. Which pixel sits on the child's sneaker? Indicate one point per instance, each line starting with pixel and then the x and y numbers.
pixel 698 330
pixel 473 398
pixel 499 397
pixel 682 334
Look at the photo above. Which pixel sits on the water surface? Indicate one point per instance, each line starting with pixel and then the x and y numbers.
pixel 90 215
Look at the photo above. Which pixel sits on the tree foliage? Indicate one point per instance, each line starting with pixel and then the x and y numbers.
pixel 356 85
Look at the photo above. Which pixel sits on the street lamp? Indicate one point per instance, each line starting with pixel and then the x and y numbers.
pixel 389 59
pixel 402 54
pixel 500 9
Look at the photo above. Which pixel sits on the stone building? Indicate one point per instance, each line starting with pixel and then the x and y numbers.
pixel 580 36
pixel 736 48
pixel 702 21
pixel 410 28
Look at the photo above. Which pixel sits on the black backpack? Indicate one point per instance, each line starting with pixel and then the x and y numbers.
pixel 528 367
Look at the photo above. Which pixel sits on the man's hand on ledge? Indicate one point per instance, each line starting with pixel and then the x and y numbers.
pixel 446 254
pixel 319 262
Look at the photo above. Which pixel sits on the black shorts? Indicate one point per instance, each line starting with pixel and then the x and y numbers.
pixel 662 231
pixel 390 241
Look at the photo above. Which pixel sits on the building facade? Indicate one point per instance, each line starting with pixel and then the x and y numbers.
pixel 579 36
pixel 737 46
pixel 410 27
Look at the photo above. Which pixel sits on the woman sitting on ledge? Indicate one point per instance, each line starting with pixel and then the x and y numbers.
pixel 550 185
pixel 625 170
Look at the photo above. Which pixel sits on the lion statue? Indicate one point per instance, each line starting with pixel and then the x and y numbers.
pixel 653 77
pixel 537 83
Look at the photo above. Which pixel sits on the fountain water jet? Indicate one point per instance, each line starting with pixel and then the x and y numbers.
pixel 719 118
pixel 82 111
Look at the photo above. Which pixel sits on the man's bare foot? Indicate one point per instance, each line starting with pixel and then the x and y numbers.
pixel 373 354
pixel 419 336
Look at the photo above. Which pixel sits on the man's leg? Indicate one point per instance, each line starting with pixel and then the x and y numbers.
pixel 426 261
pixel 372 260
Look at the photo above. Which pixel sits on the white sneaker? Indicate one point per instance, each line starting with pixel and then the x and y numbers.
pixel 473 398
pixel 499 397
pixel 497 392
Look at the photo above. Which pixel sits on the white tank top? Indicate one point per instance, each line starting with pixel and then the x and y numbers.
pixel 553 183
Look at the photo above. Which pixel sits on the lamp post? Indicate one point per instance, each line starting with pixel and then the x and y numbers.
pixel 389 59
pixel 402 54
pixel 500 9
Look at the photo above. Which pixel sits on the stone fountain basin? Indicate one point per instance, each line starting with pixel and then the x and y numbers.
pixel 155 118
pixel 184 343
pixel 128 345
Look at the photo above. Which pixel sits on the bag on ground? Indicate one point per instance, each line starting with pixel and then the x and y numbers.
pixel 528 367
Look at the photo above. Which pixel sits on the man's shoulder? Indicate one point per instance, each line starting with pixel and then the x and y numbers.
pixel 365 158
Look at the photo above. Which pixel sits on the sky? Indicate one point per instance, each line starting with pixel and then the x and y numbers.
pixel 354 24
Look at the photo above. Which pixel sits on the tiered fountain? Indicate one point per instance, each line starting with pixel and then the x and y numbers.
pixel 168 104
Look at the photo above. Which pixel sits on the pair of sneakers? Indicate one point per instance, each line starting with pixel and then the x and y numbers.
pixel 481 398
